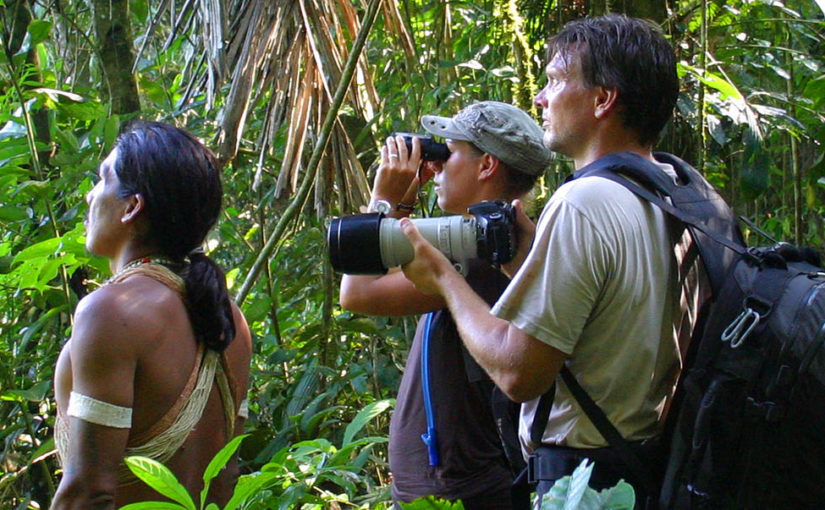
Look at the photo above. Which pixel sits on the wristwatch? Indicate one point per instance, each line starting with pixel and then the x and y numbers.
pixel 381 206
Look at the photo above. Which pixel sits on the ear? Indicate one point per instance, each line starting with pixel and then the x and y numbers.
pixel 605 101
pixel 135 204
pixel 490 166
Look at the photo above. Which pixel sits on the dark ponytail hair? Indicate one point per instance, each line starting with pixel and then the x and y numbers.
pixel 179 180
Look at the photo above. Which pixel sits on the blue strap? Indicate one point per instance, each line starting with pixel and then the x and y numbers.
pixel 430 439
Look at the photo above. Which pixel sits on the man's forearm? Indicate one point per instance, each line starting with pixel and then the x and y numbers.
pixel 520 365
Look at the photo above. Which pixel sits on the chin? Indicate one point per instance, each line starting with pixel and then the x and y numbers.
pixel 90 247
pixel 548 140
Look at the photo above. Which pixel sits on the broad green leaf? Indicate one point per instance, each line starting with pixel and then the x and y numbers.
pixel 566 493
pixel 622 496
pixel 39 250
pixel 431 503
pixel 160 478
pixel 364 416
pixel 258 309
pixel 249 485
pixel 34 394
pixel 87 111
pixel 152 505
pixel 815 90
pixel 219 462
pixel 140 9
pixel 578 484
pixel 39 30
pixel 12 213
pixel 714 81
pixel 43 451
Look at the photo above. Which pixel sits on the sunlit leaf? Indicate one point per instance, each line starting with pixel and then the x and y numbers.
pixel 160 478
pixel 219 462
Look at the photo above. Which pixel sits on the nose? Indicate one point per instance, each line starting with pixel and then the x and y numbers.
pixel 541 98
pixel 90 194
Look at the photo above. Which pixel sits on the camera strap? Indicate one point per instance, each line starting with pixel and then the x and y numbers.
pixel 430 438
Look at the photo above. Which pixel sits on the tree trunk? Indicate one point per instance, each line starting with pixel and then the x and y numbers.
pixel 115 51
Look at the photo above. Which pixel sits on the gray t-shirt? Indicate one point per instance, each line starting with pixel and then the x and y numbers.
pixel 601 284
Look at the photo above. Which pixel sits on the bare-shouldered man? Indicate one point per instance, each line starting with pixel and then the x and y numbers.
pixel 158 361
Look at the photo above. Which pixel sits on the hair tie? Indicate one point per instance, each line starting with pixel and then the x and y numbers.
pixel 197 252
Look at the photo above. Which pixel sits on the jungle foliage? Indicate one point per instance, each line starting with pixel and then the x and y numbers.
pixel 296 97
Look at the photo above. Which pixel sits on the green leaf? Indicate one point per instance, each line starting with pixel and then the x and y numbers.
pixel 619 497
pixel 219 462
pixel 34 394
pixel 755 170
pixel 578 484
pixel 140 9
pixel 87 111
pixel 567 492
pixel 152 505
pixel 39 30
pixel 38 250
pixel 43 451
pixel 714 81
pixel 249 485
pixel 12 213
pixel 258 309
pixel 815 90
pixel 431 503
pixel 160 478
pixel 364 416
pixel 110 131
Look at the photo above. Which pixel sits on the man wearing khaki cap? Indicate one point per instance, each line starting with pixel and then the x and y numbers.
pixel 496 152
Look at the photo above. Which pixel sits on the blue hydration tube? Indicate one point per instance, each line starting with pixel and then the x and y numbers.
pixel 430 439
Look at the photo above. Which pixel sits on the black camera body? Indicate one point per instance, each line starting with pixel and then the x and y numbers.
pixel 496 228
pixel 430 149
pixel 371 243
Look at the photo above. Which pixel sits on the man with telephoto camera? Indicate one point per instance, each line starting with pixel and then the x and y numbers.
pixel 596 285
pixel 495 152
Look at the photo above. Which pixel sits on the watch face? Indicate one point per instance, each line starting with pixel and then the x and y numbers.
pixel 382 206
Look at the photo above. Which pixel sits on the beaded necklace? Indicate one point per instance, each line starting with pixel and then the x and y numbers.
pixel 153 267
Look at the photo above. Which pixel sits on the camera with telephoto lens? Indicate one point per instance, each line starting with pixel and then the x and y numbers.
pixel 371 243
pixel 430 149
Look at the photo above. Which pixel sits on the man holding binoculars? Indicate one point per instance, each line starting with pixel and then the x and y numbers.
pixel 495 152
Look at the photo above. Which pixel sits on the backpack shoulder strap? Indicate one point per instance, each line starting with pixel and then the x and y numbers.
pixel 713 227
pixel 610 433
pixel 693 201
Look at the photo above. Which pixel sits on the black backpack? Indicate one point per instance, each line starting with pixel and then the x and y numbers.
pixel 746 428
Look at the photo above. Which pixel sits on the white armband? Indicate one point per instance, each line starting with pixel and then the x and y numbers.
pixel 243 409
pixel 99 412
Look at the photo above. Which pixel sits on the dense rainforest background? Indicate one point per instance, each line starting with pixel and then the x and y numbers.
pixel 296 97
